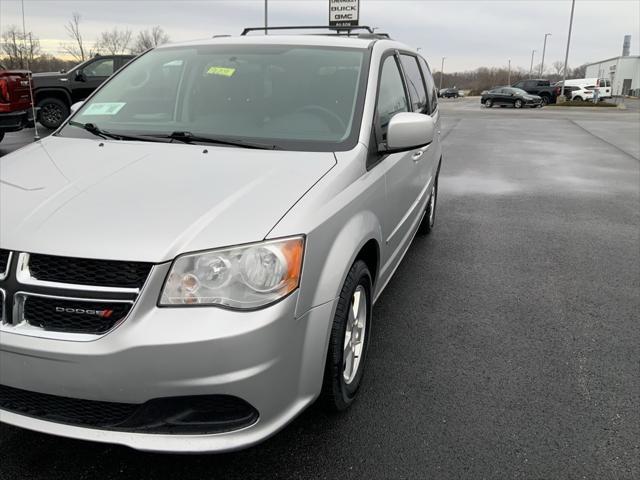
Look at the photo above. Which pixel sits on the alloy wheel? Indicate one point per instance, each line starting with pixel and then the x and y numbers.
pixel 354 334
pixel 51 113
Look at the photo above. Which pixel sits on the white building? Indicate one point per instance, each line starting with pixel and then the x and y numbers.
pixel 624 73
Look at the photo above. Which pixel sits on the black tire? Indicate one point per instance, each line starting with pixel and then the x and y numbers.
pixel 518 103
pixel 53 112
pixel 429 219
pixel 546 100
pixel 577 98
pixel 337 395
pixel 488 103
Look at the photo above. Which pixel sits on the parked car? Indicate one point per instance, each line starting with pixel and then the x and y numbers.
pixel 15 101
pixel 578 93
pixel 510 96
pixel 213 268
pixel 450 93
pixel 540 87
pixel 603 84
pixel 55 92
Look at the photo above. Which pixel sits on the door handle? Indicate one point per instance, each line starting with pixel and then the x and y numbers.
pixel 417 155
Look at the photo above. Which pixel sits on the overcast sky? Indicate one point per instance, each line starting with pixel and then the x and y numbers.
pixel 470 33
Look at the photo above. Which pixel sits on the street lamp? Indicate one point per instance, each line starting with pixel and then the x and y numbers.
pixel 544 48
pixel 28 51
pixel 266 17
pixel 441 73
pixel 531 67
pixel 566 55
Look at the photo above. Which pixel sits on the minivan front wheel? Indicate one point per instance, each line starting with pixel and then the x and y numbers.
pixel 349 340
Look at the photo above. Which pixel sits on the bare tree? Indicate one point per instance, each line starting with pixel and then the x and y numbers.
pixel 147 39
pixel 114 41
pixel 578 72
pixel 20 50
pixel 558 67
pixel 77 48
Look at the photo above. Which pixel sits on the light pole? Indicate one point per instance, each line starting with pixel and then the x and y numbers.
pixel 266 17
pixel 27 52
pixel 509 77
pixel 531 67
pixel 441 74
pixel 544 49
pixel 566 55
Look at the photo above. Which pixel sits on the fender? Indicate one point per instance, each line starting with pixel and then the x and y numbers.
pixel 45 90
pixel 328 269
pixel 342 253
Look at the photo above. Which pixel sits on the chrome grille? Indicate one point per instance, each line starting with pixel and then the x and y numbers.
pixel 82 271
pixel 49 296
pixel 61 314
pixel 5 260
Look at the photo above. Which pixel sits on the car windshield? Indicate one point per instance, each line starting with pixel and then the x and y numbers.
pixel 292 97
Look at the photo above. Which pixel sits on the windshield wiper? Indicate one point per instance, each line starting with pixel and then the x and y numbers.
pixel 188 137
pixel 97 131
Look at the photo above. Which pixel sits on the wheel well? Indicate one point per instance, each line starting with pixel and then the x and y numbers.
pixel 370 254
pixel 60 95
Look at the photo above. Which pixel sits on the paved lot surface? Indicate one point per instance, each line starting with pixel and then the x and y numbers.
pixel 507 345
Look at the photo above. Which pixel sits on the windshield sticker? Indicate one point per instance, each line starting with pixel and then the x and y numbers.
pixel 110 108
pixel 224 71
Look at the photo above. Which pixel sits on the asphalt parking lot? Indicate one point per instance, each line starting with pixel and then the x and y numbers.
pixel 506 346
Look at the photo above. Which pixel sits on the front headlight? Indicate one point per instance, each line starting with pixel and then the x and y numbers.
pixel 244 277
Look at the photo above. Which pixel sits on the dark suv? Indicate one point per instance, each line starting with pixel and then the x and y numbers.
pixel 450 93
pixel 55 92
pixel 540 87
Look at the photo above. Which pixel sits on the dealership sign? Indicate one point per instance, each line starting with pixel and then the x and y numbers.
pixel 343 13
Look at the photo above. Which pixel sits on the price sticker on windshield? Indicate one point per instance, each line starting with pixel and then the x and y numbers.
pixel 223 71
pixel 110 108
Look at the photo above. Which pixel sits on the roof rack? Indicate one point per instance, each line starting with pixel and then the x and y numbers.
pixel 339 30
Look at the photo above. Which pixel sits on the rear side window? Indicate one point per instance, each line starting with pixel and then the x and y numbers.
pixel 432 93
pixel 415 83
pixel 544 83
pixel 391 96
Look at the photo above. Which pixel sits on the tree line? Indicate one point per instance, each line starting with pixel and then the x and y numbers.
pixel 485 78
pixel 21 50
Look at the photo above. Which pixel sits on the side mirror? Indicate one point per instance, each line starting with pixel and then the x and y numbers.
pixel 409 130
pixel 75 107
pixel 80 76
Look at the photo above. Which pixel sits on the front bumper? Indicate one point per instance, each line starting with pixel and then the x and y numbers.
pixel 268 358
pixel 16 121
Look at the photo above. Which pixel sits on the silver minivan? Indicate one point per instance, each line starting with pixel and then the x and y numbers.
pixel 192 259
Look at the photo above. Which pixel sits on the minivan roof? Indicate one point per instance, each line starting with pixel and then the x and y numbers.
pixel 307 40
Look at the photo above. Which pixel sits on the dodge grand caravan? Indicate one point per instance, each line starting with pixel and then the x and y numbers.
pixel 192 258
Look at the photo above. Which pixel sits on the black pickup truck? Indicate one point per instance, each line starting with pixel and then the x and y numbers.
pixel 55 92
pixel 540 87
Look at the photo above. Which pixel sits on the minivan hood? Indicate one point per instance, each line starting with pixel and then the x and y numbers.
pixel 146 201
